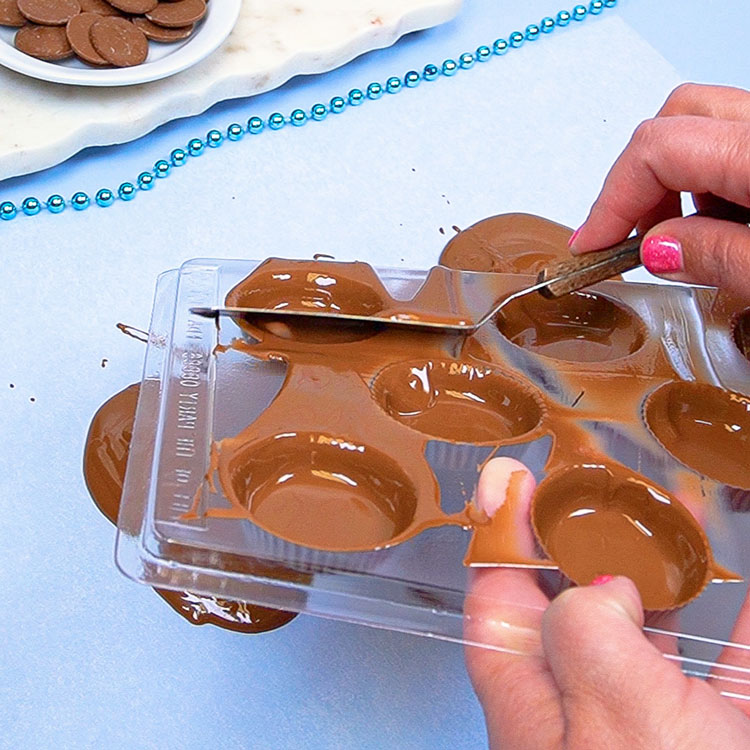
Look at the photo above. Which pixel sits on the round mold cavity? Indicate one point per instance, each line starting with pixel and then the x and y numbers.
pixel 741 333
pixel 704 427
pixel 307 289
pixel 460 402
pixel 502 244
pixel 578 327
pixel 321 491
pixel 596 520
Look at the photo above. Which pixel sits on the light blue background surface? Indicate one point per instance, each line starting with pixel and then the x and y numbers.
pixel 91 660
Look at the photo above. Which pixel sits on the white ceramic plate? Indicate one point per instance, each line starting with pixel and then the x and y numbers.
pixel 163 59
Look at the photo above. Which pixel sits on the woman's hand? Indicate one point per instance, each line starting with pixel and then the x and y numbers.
pixel 699 142
pixel 584 675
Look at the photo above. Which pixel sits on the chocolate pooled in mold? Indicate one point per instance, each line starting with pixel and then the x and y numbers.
pixel 595 520
pixel 704 427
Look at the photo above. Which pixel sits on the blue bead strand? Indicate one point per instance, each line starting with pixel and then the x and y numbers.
pixel 145 181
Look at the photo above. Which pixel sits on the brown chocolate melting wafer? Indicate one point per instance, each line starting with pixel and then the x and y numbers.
pixel 44 42
pixel 118 41
pixel 134 6
pixel 102 7
pixel 176 14
pixel 49 12
pixel 79 36
pixel 10 15
pixel 162 34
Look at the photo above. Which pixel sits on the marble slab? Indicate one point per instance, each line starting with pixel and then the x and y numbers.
pixel 42 124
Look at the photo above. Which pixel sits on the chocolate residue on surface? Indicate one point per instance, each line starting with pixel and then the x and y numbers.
pixel 104 464
pixel 741 333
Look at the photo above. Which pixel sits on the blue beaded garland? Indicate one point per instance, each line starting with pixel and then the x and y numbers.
pixel 196 147
pixel 126 191
pixel 579 12
pixel 80 201
pixel 596 7
pixel 318 112
pixel 8 211
pixel 393 85
pixel 483 53
pixel 145 180
pixel 337 105
pixel 500 46
pixel 356 97
pixel 254 125
pixel 610 3
pixel 374 90
pixel 516 39
pixel 162 168
pixel 449 67
pixel 412 79
pixel 547 25
pixel 235 132
pixel 214 138
pixel 55 204
pixel 276 121
pixel 430 72
pixel 532 32
pixel 563 18
pixel 104 198
pixel 178 157
pixel 31 206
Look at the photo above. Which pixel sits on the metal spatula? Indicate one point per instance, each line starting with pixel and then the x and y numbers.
pixel 462 301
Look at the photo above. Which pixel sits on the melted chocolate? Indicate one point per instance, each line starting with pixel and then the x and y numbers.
pixel 598 520
pixel 704 427
pixel 741 333
pixel 337 461
pixel 579 327
pixel 104 463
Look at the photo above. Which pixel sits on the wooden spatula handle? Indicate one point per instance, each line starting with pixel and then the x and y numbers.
pixel 582 271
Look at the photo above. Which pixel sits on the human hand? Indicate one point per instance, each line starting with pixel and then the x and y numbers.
pixel 583 675
pixel 699 142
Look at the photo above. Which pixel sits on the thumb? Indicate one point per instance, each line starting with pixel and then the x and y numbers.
pixel 612 677
pixel 700 250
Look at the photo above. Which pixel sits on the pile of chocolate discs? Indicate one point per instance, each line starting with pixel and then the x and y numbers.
pixel 101 33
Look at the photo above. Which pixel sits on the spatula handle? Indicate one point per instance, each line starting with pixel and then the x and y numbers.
pixel 582 271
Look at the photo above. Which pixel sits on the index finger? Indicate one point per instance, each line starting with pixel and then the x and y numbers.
pixel 681 153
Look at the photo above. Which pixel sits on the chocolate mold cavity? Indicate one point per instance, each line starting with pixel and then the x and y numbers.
pixel 578 327
pixel 596 520
pixel 310 286
pixel 322 491
pixel 704 427
pixel 509 243
pixel 458 401
pixel 741 333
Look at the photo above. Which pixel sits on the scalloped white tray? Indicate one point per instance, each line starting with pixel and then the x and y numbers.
pixel 45 123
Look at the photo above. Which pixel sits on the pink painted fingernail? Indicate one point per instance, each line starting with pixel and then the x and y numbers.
pixel 599 580
pixel 573 236
pixel 662 254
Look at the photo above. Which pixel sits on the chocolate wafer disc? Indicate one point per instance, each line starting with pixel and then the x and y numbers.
pixel 49 12
pixel 118 41
pixel 10 15
pixel 78 31
pixel 44 42
pixel 134 6
pixel 176 14
pixel 102 7
pixel 162 33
